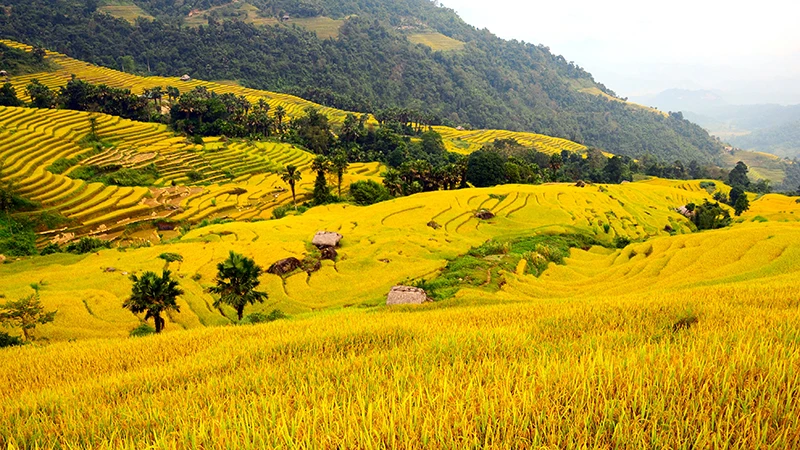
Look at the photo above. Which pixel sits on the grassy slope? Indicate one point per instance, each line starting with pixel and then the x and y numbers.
pixel 384 244
pixel 586 355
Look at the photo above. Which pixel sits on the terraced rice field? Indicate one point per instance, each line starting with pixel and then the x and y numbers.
pixel 463 142
pixel 466 142
pixel 239 179
pixel 386 243
pixel 683 340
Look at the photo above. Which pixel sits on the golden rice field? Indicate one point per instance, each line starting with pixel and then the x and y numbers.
pixel 436 41
pixel 460 141
pixel 31 140
pixel 590 354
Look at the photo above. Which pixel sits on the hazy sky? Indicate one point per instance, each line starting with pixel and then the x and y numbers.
pixel 641 47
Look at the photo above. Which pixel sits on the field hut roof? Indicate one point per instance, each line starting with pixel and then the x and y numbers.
pixel 3 73
pixel 186 77
pixel 406 295
pixel 326 239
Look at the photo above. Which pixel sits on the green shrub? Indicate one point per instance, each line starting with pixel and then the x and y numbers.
pixel 369 192
pixel 87 245
pixel 6 340
pixel 606 227
pixel 622 241
pixel 50 249
pixel 171 257
pixel 194 176
pixel 254 318
pixel 142 330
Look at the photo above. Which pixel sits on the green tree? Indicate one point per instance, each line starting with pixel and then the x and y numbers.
pixel 279 114
pixel 8 96
pixel 738 176
pixel 173 93
pixel 710 216
pixel 741 205
pixel 368 192
pixel 339 165
pixel 394 183
pixel 291 177
pixel 41 95
pixel 26 313
pixel 485 168
pixel 154 295
pixel 237 280
pixel 322 193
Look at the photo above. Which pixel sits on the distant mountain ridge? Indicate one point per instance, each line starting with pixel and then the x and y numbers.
pixel 769 128
pixel 370 65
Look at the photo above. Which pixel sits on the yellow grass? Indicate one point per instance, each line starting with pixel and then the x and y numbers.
pixel 586 356
pixel 436 41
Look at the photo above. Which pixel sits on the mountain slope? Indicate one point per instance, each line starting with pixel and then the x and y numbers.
pixel 782 140
pixel 372 65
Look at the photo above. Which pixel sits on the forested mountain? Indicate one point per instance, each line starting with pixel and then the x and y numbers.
pixel 370 65
pixel 783 140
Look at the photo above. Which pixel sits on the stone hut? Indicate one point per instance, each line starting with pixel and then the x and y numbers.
pixel 406 295
pixel 326 239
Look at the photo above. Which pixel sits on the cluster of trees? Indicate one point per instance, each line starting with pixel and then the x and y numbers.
pixel 740 183
pixel 235 285
pixel 80 95
pixel 205 113
pixel 492 83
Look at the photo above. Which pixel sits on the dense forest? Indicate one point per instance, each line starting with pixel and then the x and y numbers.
pixel 371 66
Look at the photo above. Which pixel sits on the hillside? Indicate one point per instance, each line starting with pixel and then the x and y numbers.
pixel 386 244
pixel 782 140
pixel 644 344
pixel 489 83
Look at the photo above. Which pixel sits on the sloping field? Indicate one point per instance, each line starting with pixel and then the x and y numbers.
pixel 680 341
pixel 436 41
pixel 460 141
pixel 239 179
pixel 390 243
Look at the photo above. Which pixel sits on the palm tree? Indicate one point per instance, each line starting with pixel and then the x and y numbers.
pixel 237 279
pixel 280 114
pixel 173 93
pixel 339 165
pixel 153 295
pixel 292 176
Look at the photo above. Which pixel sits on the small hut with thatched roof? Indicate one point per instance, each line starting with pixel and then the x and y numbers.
pixel 186 77
pixel 406 295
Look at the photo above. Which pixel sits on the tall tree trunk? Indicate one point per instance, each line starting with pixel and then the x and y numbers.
pixel 240 312
pixel 159 323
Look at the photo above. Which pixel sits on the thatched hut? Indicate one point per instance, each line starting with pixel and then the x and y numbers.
pixel 326 239
pixel 284 266
pixel 484 214
pixel 186 77
pixel 406 295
